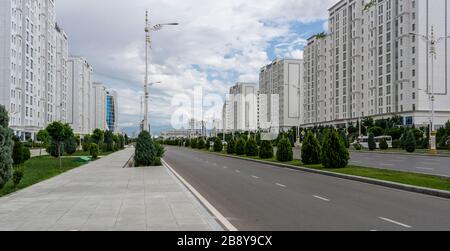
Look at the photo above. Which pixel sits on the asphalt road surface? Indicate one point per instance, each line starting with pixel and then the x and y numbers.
pixel 408 163
pixel 254 196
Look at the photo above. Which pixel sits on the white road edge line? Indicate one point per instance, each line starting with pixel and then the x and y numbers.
pixel 395 222
pixel 321 198
pixel 226 223
pixel 255 177
pixel 280 185
pixel 425 168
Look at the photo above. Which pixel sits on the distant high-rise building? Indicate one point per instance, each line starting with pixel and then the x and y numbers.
pixel 99 103
pixel 80 86
pixel 112 111
pixel 369 64
pixel 243 107
pixel 280 95
pixel 62 75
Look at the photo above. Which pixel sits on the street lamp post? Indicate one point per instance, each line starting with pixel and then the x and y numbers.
pixel 148 42
pixel 432 41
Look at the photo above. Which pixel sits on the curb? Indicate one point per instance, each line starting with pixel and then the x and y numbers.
pixel 210 208
pixel 403 154
pixel 394 185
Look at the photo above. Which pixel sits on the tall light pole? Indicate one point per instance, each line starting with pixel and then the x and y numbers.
pixel 148 44
pixel 432 41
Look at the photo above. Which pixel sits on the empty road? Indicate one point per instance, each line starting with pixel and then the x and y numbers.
pixel 255 196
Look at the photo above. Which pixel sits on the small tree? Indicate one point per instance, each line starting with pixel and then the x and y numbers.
pixel 231 146
pixel 252 147
pixel 218 146
pixel 59 133
pixel 145 153
pixel 311 149
pixel 266 151
pixel 109 141
pixel 240 146
pixel 384 144
pixel 93 150
pixel 97 137
pixel 284 151
pixel 334 152
pixel 43 137
pixel 372 143
pixel 410 142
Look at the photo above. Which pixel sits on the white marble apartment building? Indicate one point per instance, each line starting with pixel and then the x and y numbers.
pixel 98 108
pixel 80 89
pixel 226 117
pixel 243 107
pixel 317 91
pixel 62 75
pixel 27 29
pixel 374 66
pixel 281 87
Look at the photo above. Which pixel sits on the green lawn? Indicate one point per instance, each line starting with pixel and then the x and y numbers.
pixel 414 179
pixel 39 169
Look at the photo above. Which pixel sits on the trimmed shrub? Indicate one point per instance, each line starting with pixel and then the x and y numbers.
pixel 266 151
pixel 231 147
pixel 410 142
pixel 93 150
pixel 240 146
pixel 334 152
pixel 18 175
pixel 145 154
pixel 187 143
pixel 284 151
pixel 218 146
pixel 194 143
pixel 384 144
pixel 159 150
pixel 70 146
pixel 201 144
pixel 311 150
pixel 109 141
pixel 372 143
pixel 397 144
pixel 157 162
pixel 251 147
pixel 20 152
pixel 357 146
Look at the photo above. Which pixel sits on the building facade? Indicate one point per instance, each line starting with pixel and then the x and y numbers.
pixel 112 111
pixel 98 106
pixel 80 86
pixel 62 75
pixel 370 64
pixel 281 95
pixel 243 107
pixel 29 64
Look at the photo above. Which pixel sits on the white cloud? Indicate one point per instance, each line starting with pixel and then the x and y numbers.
pixel 223 39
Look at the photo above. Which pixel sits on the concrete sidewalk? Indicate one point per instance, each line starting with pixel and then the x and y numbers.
pixel 103 196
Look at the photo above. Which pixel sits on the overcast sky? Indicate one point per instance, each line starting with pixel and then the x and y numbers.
pixel 217 44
